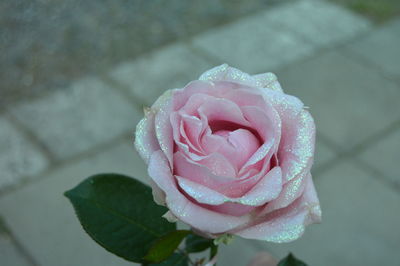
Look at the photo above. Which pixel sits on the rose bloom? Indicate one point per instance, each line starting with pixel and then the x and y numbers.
pixel 231 153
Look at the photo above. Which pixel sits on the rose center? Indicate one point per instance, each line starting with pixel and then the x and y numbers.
pixel 238 145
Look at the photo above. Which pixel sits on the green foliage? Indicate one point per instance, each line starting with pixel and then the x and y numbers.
pixel 165 246
pixel 119 213
pixel 195 243
pixel 177 259
pixel 291 260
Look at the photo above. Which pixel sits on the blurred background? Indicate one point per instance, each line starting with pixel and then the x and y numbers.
pixel 75 75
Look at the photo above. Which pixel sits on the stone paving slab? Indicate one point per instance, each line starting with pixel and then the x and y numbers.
pixel 319 22
pixel 359 224
pixel 384 155
pixel 381 47
pixel 239 252
pixel 323 154
pixel 9 255
pixel 281 35
pixel 349 101
pixel 19 158
pixel 253 44
pixel 150 75
pixel 72 121
pixel 44 221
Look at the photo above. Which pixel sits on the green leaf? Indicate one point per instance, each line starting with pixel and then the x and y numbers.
pixel 177 259
pixel 165 246
pixel 195 243
pixel 291 260
pixel 119 213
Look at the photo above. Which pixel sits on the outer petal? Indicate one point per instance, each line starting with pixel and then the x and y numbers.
pixel 291 191
pixel 186 211
pixel 163 128
pixel 145 139
pixel 287 224
pixel 296 149
pixel 227 73
pixel 268 80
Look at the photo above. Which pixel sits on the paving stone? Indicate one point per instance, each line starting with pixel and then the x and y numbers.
pixel 319 22
pixel 349 101
pixel 254 44
pixel 19 158
pixel 44 221
pixel 323 154
pixel 381 47
pixel 9 255
pixel 74 120
pixel 239 252
pixel 384 155
pixel 359 224
pixel 150 75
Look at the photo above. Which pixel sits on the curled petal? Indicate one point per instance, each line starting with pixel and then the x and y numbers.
pixel 145 139
pixel 212 170
pixel 200 174
pixel 163 129
pixel 287 224
pixel 265 152
pixel 264 191
pixel 219 109
pixel 291 191
pixel 227 73
pixel 296 151
pixel 185 210
pixel 181 96
pixel 296 148
pixel 158 194
pixel 268 80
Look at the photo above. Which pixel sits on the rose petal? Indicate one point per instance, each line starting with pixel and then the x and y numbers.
pixel 163 129
pixel 296 151
pixel 264 191
pixel 158 194
pixel 182 96
pixel 266 122
pixel 182 208
pixel 247 97
pixel 227 73
pixel 190 129
pixel 219 109
pixel 268 80
pixel 231 208
pixel 292 190
pixel 145 139
pixel 212 170
pixel 265 153
pixel 194 102
pixel 287 224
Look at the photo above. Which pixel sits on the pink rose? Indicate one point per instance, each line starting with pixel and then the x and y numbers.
pixel 232 153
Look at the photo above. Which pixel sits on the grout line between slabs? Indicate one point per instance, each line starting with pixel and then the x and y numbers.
pixel 369 63
pixel 352 154
pixel 66 162
pixel 377 174
pixel 30 136
pixel 123 90
pixel 17 244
